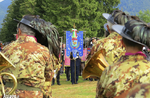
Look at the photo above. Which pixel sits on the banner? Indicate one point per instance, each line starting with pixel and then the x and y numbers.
pixel 83 58
pixel 74 43
pixel 67 60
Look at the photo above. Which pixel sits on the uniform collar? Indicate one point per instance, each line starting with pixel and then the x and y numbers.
pixel 138 53
pixel 27 38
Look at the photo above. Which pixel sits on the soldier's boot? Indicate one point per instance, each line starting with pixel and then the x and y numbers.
pixel 58 83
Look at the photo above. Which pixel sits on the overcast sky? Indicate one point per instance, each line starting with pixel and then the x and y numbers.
pixel 1 0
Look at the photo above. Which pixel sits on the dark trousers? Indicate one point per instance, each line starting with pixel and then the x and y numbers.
pixel 67 71
pixel 57 77
pixel 62 67
pixel 73 68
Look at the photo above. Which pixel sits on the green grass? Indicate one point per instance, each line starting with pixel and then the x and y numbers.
pixel 84 88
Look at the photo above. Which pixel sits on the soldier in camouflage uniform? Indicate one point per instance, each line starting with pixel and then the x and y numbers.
pixel 112 43
pixel 31 54
pixel 131 68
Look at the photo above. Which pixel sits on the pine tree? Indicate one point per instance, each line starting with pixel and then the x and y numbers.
pixel 9 25
pixel 28 7
pixel 16 10
pixel 86 14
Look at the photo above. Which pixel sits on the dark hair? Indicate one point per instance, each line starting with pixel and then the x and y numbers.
pixel 131 43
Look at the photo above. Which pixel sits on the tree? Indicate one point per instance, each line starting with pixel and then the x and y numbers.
pixel 28 7
pixel 86 14
pixel 144 16
pixel 9 25
pixel 16 10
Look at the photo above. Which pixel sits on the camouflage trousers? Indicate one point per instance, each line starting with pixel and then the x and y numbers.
pixel 22 94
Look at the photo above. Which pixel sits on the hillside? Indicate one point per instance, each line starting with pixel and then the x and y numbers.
pixel 2 14
pixel 3 9
pixel 134 6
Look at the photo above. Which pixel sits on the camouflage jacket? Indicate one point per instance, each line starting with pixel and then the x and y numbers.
pixel 113 46
pixel 32 60
pixel 47 91
pixel 123 75
pixel 140 91
pixel 57 64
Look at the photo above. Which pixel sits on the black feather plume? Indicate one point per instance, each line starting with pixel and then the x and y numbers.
pixel 48 35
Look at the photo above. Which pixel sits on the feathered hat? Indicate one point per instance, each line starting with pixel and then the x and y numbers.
pixel 117 17
pixel 46 32
pixel 136 31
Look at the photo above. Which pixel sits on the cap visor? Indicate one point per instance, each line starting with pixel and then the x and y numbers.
pixel 106 15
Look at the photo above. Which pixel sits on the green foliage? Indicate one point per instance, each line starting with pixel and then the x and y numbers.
pixel 145 16
pixel 85 14
pixel 28 7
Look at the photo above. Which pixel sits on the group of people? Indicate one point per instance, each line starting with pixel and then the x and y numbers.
pixel 35 54
pixel 77 64
pixel 127 75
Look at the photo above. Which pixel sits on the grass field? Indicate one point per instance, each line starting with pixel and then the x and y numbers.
pixel 84 88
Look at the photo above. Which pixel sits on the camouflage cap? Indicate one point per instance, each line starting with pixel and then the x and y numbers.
pixel 136 31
